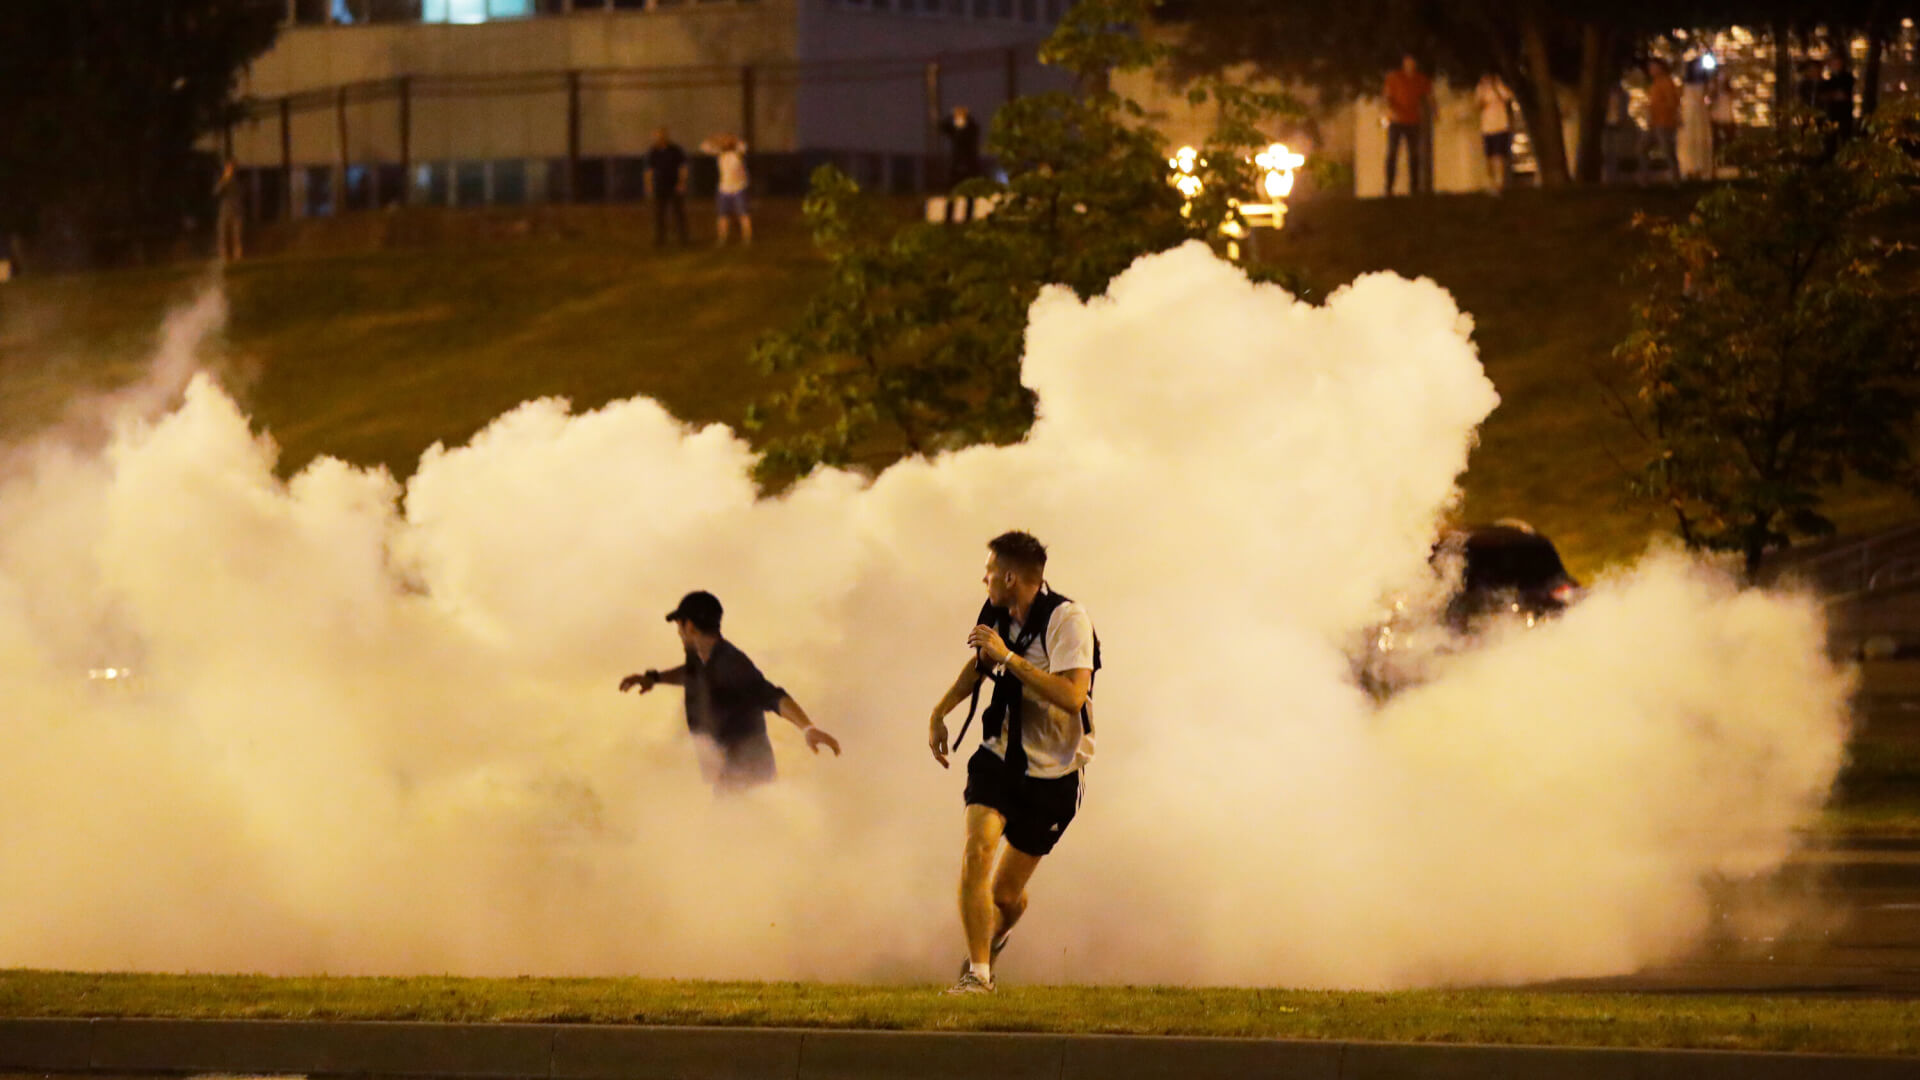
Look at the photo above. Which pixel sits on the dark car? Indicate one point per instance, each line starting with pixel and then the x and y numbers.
pixel 1507 568
pixel 1487 573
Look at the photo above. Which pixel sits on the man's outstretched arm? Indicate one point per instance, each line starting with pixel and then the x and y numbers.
pixel 797 716
pixel 647 680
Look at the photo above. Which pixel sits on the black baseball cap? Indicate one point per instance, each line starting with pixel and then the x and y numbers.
pixel 702 609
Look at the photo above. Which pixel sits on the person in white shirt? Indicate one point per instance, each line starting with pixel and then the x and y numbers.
pixel 1025 781
pixel 730 199
pixel 1495 104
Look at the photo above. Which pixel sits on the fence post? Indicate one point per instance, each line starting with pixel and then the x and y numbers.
pixel 1011 60
pixel 931 89
pixel 747 134
pixel 406 139
pixel 286 157
pixel 340 183
pixel 573 136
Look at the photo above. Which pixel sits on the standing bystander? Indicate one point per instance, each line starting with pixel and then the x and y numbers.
pixel 1407 91
pixel 229 215
pixel 666 180
pixel 730 197
pixel 1663 122
pixel 1495 104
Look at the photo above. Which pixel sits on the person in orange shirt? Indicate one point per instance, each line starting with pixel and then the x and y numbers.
pixel 1663 122
pixel 1407 91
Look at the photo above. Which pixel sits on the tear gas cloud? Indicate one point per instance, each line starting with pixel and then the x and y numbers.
pixel 373 727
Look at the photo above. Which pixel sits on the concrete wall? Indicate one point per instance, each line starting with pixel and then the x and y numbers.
pixel 495 120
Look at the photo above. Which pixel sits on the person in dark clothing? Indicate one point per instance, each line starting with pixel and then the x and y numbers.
pixel 727 700
pixel 963 146
pixel 666 180
pixel 1833 96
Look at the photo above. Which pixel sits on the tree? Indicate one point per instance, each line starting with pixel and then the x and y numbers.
pixel 104 101
pixel 914 343
pixel 1769 358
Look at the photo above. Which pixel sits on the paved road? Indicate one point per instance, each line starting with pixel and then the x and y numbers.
pixel 1838 920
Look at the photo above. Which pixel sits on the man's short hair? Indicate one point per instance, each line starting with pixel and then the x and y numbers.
pixel 1020 552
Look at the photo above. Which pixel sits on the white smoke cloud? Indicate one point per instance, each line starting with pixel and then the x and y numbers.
pixel 374 728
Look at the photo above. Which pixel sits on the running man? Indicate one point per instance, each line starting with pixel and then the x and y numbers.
pixel 1025 780
pixel 727 700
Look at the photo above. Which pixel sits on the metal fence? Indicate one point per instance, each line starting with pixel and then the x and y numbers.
pixel 384 143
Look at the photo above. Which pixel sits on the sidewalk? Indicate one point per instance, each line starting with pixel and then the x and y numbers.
pixel 594 1052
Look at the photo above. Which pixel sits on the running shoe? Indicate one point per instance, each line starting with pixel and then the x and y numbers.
pixel 999 946
pixel 971 984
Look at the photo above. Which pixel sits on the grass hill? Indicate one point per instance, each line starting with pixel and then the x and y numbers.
pixel 372 337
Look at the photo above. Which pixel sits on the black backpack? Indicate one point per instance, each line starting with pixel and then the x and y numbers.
pixel 1006 687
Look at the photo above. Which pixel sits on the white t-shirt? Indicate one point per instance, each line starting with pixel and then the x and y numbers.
pixel 733 165
pixel 1055 743
pixel 1494 98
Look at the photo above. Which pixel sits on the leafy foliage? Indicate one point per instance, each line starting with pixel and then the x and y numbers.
pixel 101 102
pixel 1770 359
pixel 914 343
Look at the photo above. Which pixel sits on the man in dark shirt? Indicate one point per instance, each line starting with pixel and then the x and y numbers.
pixel 727 700
pixel 666 185
pixel 1833 95
pixel 963 146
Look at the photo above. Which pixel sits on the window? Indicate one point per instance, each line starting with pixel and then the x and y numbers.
pixel 393 10
pixel 1053 11
pixel 358 189
pixel 982 8
pixel 388 183
pixel 1003 8
pixel 473 11
pixel 319 199
pixel 470 183
pixel 1029 10
pixel 430 184
pixel 509 182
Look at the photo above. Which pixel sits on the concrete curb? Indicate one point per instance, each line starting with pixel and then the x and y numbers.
pixel 606 1052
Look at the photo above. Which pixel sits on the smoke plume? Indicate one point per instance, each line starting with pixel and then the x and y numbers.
pixel 373 727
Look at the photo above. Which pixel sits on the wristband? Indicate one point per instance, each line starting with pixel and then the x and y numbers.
pixel 652 673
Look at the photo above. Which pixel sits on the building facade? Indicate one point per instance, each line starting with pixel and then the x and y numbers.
pixel 365 103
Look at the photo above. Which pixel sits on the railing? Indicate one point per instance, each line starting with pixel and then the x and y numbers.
pixel 274 196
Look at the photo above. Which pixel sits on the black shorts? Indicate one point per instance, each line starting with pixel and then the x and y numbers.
pixel 1497 144
pixel 1037 811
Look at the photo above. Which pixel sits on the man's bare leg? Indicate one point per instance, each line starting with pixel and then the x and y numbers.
pixel 978 913
pixel 1010 889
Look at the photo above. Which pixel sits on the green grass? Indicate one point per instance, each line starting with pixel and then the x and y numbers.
pixel 1831 1025
pixel 375 356
pixel 1544 276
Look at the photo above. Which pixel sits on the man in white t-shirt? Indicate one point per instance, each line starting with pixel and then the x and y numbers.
pixel 1024 782
pixel 1495 104
pixel 730 197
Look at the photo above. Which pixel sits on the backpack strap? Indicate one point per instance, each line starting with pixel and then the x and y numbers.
pixel 996 617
